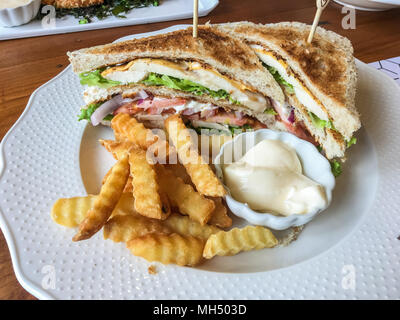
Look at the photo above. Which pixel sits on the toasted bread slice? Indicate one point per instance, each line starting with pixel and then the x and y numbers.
pixel 212 47
pixel 326 67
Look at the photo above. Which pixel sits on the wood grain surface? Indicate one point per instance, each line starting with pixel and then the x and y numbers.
pixel 25 64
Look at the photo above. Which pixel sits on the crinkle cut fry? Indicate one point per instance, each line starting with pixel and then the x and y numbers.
pixel 123 228
pixel 180 194
pixel 220 216
pixel 105 202
pixel 172 248
pixel 146 191
pixel 117 148
pixel 227 243
pixel 186 226
pixel 136 132
pixel 70 212
pixel 200 172
pixel 184 197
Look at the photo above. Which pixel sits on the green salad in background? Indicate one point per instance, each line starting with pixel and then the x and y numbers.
pixel 116 8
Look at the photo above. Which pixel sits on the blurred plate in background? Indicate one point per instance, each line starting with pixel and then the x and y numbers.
pixel 370 5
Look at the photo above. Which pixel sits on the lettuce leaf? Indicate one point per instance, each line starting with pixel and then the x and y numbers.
pixel 278 78
pixel 155 79
pixel 352 141
pixel 200 130
pixel 87 113
pixel 239 129
pixel 321 123
pixel 94 78
pixel 336 168
pixel 271 111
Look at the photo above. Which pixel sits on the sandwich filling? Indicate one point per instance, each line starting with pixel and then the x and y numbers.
pixel 198 80
pixel 203 117
pixel 188 76
pixel 280 70
pixel 279 66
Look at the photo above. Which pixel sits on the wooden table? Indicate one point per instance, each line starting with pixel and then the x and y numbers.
pixel 25 64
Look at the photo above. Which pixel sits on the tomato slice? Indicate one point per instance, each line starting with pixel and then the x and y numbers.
pixel 160 103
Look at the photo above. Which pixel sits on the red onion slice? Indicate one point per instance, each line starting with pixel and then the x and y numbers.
pixel 188 112
pixel 141 95
pixel 110 106
pixel 239 115
pixel 209 113
pixel 127 100
pixel 291 116
pixel 105 109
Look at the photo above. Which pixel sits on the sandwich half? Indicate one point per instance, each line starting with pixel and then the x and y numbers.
pixel 214 81
pixel 318 80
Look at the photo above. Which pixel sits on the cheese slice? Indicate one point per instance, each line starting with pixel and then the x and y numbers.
pixel 302 93
pixel 138 70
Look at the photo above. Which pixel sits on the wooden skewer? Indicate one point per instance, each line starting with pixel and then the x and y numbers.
pixel 321 5
pixel 195 17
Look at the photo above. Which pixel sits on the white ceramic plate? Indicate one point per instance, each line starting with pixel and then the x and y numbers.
pixel 166 11
pixel 350 251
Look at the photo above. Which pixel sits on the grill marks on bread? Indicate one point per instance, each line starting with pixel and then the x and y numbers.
pixel 324 63
pixel 182 41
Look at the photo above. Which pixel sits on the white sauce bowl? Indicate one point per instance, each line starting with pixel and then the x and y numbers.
pixel 315 166
pixel 12 17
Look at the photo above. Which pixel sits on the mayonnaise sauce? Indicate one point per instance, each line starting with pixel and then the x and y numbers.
pixel 269 179
pixel 13 3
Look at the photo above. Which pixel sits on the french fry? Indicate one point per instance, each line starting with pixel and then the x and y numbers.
pixel 184 197
pixel 180 171
pixel 186 226
pixel 118 136
pixel 105 202
pixel 145 186
pixel 134 131
pixel 106 176
pixel 220 216
pixel 123 228
pixel 125 206
pixel 128 186
pixel 117 148
pixel 129 128
pixel 199 171
pixel 166 204
pixel 227 243
pixel 70 212
pixel 172 248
